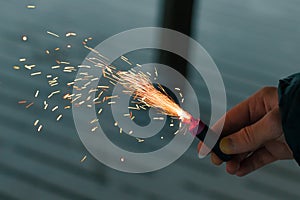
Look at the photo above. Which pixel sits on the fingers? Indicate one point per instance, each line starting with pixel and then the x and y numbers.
pixel 272 151
pixel 257 160
pixel 252 126
pixel 233 165
pixel 254 136
pixel 215 159
pixel 248 111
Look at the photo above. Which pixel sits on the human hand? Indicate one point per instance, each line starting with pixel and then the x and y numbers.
pixel 253 134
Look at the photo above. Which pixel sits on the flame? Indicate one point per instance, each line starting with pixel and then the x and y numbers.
pixel 143 90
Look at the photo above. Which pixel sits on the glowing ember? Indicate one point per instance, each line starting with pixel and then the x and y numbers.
pixel 24 38
pixel 83 159
pixel 31 6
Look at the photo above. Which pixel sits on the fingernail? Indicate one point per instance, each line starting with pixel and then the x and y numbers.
pixel 226 145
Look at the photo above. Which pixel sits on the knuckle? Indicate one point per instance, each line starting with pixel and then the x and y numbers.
pixel 247 136
pixel 269 96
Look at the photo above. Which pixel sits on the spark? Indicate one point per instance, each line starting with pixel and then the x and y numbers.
pixel 40 128
pixel 162 137
pixel 31 6
pixel 55 67
pixel 35 73
pixel 59 117
pixel 93 90
pixel 103 86
pixel 178 89
pixel 45 105
pixel 110 97
pixel 36 122
pixel 70 83
pixel 54 108
pixel 22 102
pixel 53 34
pixel 100 110
pixel 122 159
pixel 126 60
pixel 94 120
pixel 16 67
pixel 94 129
pixel 67 107
pixel 76 98
pixel 134 108
pixel 29 105
pixel 176 132
pixel 97 102
pixel 97 98
pixel 83 73
pixel 81 102
pixel 70 34
pixel 67 96
pixel 156 73
pixel 53 93
pixel 54 84
pixel 116 124
pixel 158 118
pixel 29 67
pixel 142 107
pixel 36 93
pixel 22 59
pixel 70 68
pixel 87 84
pixel 95 79
pixel 112 83
pixel 24 38
pixel 83 159
pixel 140 140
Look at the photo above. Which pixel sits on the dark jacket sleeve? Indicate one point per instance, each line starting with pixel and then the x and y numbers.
pixel 289 104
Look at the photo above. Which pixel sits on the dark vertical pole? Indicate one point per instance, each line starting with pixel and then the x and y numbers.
pixel 177 15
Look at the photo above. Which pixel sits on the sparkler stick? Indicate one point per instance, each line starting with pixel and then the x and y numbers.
pixel 144 91
pixel 199 129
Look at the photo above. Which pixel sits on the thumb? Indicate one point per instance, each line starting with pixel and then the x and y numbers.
pixel 254 136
